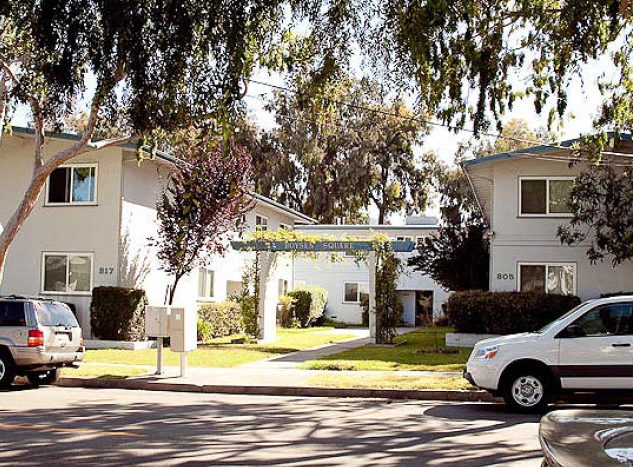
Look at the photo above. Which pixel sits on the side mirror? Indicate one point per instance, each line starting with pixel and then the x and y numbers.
pixel 573 331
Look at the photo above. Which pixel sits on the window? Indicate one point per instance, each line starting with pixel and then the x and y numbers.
pixel 261 223
pixel 551 278
pixel 206 283
pixel 72 185
pixel 404 239
pixel 353 291
pixel 545 196
pixel 284 227
pixel 12 314
pixel 609 319
pixel 419 242
pixel 282 287
pixel 67 273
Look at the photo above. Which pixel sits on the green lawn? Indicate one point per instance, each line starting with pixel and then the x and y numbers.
pixel 87 369
pixel 220 353
pixel 399 382
pixel 404 357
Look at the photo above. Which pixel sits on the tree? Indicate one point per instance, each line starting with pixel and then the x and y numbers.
pixel 144 67
pixel 343 152
pixel 457 256
pixel 203 203
pixel 516 134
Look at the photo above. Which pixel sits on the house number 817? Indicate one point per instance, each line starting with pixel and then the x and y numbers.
pixel 106 270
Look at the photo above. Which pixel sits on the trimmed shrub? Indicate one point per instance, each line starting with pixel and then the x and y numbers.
pixel 503 313
pixel 118 313
pixel 286 313
pixel 204 330
pixel 222 318
pixel 309 304
pixel 364 304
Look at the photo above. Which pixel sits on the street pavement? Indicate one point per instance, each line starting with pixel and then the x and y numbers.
pixel 55 426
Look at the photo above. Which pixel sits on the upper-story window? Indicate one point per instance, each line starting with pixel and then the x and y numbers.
pixel 72 185
pixel 545 196
pixel 261 223
pixel 206 283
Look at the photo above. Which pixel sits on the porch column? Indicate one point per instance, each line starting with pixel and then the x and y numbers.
pixel 267 307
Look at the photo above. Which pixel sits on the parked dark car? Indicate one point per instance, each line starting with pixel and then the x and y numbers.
pixel 587 438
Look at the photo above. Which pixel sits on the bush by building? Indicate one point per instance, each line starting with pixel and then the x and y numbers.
pixel 216 320
pixel 502 313
pixel 309 303
pixel 286 313
pixel 118 313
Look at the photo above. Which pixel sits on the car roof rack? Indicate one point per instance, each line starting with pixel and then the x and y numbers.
pixel 20 297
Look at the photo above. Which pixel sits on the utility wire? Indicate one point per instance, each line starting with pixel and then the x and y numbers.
pixel 435 123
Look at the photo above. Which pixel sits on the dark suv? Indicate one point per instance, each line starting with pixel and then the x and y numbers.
pixel 37 338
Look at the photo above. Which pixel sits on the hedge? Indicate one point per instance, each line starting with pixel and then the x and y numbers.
pixel 502 313
pixel 118 313
pixel 216 320
pixel 309 303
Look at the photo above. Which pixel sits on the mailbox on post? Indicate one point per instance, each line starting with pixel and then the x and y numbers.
pixel 183 329
pixel 157 321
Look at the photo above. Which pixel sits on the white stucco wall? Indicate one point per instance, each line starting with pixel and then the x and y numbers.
pixel 333 275
pixel 85 229
pixel 520 239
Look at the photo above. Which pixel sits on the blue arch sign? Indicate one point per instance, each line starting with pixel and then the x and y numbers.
pixel 319 246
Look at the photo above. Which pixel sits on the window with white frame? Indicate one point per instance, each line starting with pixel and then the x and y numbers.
pixel 74 184
pixel 419 242
pixel 261 223
pixel 206 283
pixel 352 292
pixel 69 273
pixel 551 278
pixel 545 196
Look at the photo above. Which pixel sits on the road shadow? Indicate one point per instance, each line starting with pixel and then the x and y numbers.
pixel 127 428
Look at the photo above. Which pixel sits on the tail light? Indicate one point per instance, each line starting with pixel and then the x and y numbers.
pixel 36 338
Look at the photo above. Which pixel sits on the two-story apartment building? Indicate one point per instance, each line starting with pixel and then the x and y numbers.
pixel 92 224
pixel 346 280
pixel 523 195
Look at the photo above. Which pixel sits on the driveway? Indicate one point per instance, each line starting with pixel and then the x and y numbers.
pixel 71 426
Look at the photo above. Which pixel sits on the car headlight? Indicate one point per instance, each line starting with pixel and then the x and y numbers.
pixel 489 352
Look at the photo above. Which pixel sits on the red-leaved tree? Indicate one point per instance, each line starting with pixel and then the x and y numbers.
pixel 203 203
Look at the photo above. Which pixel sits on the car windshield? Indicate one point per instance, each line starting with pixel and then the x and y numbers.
pixel 50 314
pixel 551 325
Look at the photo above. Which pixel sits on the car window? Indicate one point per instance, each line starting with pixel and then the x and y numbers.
pixel 608 319
pixel 53 314
pixel 12 314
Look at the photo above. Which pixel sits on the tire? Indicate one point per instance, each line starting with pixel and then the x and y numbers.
pixel 527 392
pixel 43 377
pixel 7 369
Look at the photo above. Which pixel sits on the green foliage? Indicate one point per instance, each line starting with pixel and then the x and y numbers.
pixel 457 256
pixel 309 303
pixel 249 315
pixel 216 320
pixel 388 303
pixel 118 313
pixel 505 312
pixel 286 313
pixel 364 304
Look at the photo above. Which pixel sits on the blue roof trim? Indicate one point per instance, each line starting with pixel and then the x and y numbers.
pixel 536 150
pixel 168 158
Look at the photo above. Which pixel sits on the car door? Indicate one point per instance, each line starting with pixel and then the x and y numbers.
pixel 600 354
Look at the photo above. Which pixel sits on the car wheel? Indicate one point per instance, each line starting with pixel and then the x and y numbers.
pixel 527 392
pixel 44 377
pixel 7 369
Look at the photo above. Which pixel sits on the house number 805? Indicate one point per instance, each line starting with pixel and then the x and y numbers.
pixel 505 276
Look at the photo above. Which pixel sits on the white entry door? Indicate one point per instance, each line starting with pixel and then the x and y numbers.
pixel 602 357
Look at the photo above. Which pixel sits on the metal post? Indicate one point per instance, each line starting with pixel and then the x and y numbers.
pixel 183 364
pixel 159 356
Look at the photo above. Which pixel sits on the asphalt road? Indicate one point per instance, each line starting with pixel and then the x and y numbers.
pixel 72 426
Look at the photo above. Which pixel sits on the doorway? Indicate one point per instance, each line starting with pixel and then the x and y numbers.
pixel 423 308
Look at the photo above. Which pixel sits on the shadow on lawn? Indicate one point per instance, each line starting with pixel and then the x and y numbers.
pixel 157 429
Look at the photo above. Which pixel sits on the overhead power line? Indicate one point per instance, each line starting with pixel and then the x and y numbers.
pixel 435 123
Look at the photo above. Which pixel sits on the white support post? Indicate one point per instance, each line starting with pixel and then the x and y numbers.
pixel 159 356
pixel 267 306
pixel 371 263
pixel 183 364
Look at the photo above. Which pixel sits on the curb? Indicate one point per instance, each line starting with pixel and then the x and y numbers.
pixel 391 394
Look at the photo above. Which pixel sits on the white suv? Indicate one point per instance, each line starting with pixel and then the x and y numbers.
pixel 590 348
